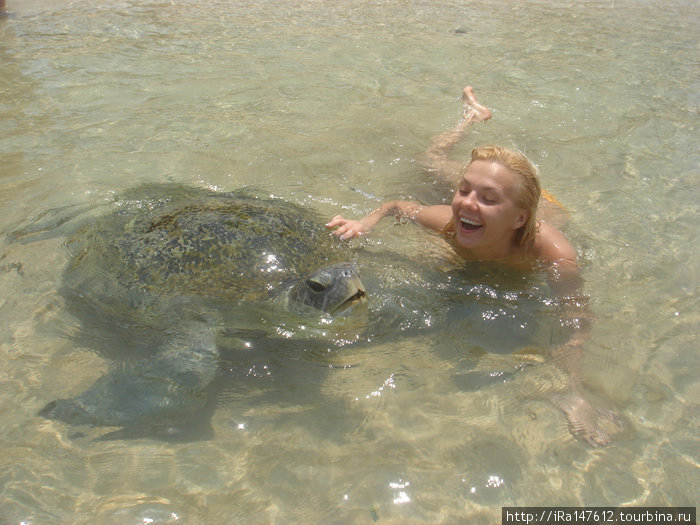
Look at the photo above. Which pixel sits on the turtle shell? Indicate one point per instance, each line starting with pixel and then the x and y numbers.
pixel 168 240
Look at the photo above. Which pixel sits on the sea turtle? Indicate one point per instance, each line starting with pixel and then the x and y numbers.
pixel 157 279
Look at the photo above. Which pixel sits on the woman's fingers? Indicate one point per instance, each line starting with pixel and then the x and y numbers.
pixel 335 221
pixel 344 228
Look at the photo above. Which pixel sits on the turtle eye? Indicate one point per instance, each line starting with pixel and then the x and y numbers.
pixel 315 285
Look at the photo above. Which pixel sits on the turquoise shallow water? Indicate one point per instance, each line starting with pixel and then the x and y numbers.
pixel 329 104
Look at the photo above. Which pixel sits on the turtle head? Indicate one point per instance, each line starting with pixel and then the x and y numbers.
pixel 329 289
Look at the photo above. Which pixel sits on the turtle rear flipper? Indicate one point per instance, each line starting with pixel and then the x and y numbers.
pixel 51 223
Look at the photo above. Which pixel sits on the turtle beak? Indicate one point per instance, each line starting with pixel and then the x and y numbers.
pixel 359 295
pixel 356 293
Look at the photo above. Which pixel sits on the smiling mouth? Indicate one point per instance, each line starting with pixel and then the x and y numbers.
pixel 469 224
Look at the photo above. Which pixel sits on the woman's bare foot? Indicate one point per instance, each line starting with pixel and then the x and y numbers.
pixel 435 159
pixel 594 424
pixel 473 111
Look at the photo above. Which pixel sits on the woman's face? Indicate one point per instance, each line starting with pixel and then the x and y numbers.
pixel 484 208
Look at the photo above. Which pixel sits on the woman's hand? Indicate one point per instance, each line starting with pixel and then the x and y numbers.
pixel 346 229
pixel 431 217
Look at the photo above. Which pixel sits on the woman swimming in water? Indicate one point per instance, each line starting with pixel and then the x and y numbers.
pixel 493 216
pixel 496 216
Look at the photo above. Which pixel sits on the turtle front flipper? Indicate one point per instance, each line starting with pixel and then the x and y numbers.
pixel 164 397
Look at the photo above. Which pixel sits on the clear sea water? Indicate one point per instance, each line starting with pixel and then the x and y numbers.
pixel 328 105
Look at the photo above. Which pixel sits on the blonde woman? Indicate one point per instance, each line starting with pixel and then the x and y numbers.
pixel 498 214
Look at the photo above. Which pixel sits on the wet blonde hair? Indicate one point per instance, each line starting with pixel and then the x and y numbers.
pixel 527 193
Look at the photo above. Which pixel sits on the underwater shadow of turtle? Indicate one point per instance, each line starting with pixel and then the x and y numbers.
pixel 174 265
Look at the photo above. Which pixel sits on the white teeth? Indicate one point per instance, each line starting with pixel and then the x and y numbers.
pixel 469 221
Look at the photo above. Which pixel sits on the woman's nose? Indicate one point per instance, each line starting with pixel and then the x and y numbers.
pixel 470 199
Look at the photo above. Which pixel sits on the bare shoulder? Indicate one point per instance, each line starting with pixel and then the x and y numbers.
pixel 434 217
pixel 552 246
